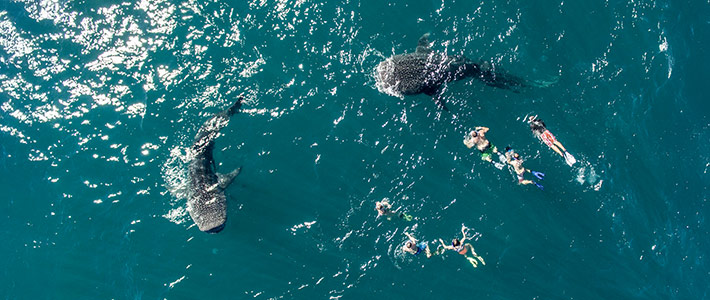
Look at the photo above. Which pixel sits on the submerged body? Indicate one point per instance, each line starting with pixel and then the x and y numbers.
pixel 425 71
pixel 461 247
pixel 206 201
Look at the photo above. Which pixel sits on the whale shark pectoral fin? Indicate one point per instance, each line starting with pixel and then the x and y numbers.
pixel 436 95
pixel 226 179
pixel 423 44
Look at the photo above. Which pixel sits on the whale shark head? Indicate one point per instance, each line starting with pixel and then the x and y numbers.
pixel 385 79
pixel 210 215
pixel 216 229
pixel 407 74
pixel 423 71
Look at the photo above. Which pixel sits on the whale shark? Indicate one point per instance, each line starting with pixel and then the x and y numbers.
pixel 206 201
pixel 425 71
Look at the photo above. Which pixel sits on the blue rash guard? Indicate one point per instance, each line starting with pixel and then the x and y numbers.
pixel 420 247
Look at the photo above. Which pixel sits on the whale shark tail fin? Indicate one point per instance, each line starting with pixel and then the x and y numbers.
pixel 423 44
pixel 237 104
pixel 209 131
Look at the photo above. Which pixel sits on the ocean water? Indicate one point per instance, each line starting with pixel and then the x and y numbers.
pixel 100 100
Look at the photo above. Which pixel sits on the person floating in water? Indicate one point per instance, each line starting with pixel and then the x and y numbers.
pixel 414 247
pixel 516 162
pixel 384 208
pixel 540 131
pixel 461 247
pixel 477 138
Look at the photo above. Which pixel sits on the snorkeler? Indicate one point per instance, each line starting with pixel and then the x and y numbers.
pixel 384 208
pixel 414 247
pixel 477 138
pixel 516 162
pixel 540 131
pixel 460 246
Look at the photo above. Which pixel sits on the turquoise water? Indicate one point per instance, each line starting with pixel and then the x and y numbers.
pixel 100 100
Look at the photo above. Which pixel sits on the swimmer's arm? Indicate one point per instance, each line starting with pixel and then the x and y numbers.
pixel 482 129
pixel 448 247
pixel 468 141
pixel 410 236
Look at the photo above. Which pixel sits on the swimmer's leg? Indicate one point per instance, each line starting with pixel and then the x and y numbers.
pixel 526 182
pixel 481 259
pixel 558 144
pixel 428 252
pixel 473 262
pixel 438 251
pixel 553 147
pixel 569 159
pixel 473 252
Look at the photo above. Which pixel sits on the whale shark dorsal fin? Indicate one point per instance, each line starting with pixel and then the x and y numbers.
pixel 423 45
pixel 225 180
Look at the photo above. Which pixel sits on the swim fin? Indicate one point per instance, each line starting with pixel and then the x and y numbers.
pixel 539 185
pixel 539 175
pixel 569 159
